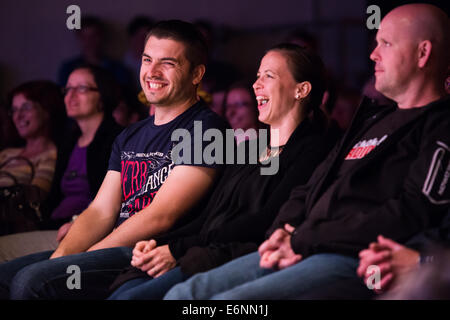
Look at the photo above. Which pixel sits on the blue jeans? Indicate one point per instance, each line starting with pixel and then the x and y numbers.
pixel 317 277
pixel 149 288
pixel 36 277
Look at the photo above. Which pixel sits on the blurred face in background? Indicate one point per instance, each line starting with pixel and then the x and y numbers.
pixel 91 41
pixel 217 103
pixel 240 109
pixel 29 117
pixel 82 98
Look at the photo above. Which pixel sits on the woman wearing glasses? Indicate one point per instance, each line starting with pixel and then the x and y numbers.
pixel 90 96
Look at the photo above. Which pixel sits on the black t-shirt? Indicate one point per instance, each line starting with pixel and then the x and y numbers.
pixel 142 153
pixel 365 143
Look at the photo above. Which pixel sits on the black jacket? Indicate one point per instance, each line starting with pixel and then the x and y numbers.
pixel 217 236
pixel 98 153
pixel 216 243
pixel 403 182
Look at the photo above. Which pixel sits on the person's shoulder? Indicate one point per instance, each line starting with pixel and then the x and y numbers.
pixel 50 153
pixel 210 119
pixel 310 131
pixel 438 111
pixel 434 122
pixel 9 152
pixel 441 106
pixel 136 127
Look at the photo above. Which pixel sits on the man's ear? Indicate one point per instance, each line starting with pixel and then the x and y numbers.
pixel 424 52
pixel 198 73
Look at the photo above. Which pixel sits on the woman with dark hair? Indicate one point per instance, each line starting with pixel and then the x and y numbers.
pixel 36 109
pixel 90 96
pixel 288 89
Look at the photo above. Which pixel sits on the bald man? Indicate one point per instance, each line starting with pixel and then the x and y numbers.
pixel 424 27
pixel 388 175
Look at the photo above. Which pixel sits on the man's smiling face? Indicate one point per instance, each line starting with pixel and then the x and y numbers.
pixel 166 76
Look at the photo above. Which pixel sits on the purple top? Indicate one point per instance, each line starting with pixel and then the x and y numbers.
pixel 74 186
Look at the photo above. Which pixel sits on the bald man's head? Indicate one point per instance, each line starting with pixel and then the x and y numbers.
pixel 412 47
pixel 420 22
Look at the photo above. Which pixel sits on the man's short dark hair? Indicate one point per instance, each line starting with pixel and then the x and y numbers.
pixel 196 48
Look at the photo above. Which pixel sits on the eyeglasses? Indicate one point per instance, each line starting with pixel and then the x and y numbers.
pixel 79 89
pixel 25 107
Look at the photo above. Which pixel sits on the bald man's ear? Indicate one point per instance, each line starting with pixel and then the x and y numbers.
pixel 424 53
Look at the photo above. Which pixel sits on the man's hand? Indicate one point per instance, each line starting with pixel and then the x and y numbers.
pixel 172 201
pixel 62 231
pixel 276 252
pixel 151 259
pixel 393 259
pixel 139 251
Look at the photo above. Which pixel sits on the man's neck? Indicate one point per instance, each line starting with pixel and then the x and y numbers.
pixel 281 132
pixel 165 114
pixel 420 94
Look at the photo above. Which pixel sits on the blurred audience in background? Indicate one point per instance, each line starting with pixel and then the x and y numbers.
pixel 303 38
pixel 345 105
pixel 92 39
pixel 26 173
pixel 90 95
pixel 137 30
pixel 8 133
pixel 241 111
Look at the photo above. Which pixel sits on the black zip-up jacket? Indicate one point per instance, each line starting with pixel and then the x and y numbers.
pixel 216 237
pixel 404 182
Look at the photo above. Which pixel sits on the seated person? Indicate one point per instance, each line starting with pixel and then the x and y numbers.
pixel 148 190
pixel 289 88
pixel 82 160
pixel 396 261
pixel 90 97
pixel 36 110
pixel 383 177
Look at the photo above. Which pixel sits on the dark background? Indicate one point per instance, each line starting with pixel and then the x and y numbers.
pixel 35 40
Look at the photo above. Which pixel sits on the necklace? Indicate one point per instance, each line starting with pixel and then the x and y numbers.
pixel 270 152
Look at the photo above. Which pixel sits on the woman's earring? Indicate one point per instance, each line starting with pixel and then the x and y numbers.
pixel 297 96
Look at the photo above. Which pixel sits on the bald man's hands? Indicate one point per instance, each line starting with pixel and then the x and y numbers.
pixel 393 259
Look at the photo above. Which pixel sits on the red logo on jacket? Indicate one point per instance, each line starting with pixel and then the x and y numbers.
pixel 363 148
